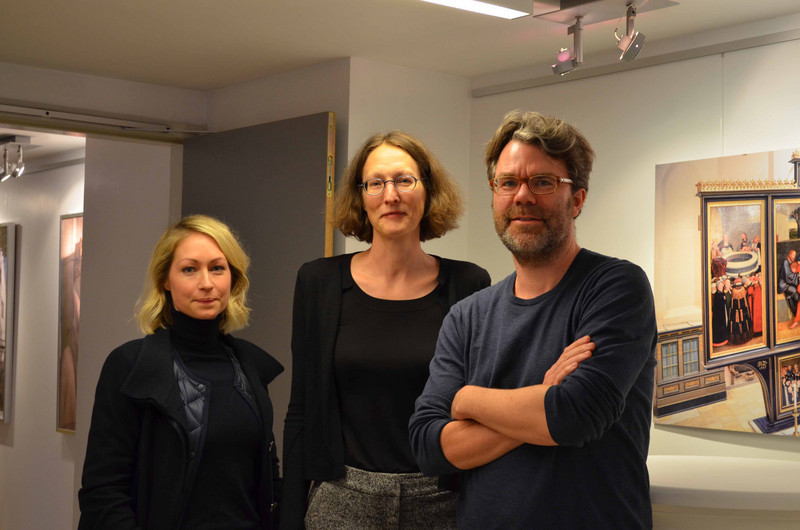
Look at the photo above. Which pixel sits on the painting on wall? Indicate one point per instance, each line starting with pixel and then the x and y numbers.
pixel 787 247
pixel 789 375
pixel 7 285
pixel 70 255
pixel 734 231
pixel 727 247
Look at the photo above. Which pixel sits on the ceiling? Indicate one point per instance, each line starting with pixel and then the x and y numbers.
pixel 205 44
pixel 40 145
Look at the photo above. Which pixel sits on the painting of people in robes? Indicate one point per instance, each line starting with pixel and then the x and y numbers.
pixel 735 260
pixel 787 262
pixel 70 312
pixel 789 377
pixel 727 265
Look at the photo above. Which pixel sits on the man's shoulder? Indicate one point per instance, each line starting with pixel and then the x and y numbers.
pixel 463 277
pixel 462 267
pixel 481 300
pixel 599 265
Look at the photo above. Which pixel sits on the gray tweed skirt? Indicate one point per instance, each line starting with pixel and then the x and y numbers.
pixel 368 500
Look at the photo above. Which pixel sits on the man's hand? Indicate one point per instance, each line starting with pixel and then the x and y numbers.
pixel 573 355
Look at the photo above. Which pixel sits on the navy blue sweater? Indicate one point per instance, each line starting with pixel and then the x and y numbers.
pixel 599 415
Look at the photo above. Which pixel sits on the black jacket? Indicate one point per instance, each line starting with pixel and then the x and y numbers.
pixel 312 444
pixel 140 458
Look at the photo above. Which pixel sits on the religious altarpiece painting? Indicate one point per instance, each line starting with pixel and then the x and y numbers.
pixel 727 271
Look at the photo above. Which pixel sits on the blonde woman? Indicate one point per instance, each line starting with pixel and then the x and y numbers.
pixel 181 432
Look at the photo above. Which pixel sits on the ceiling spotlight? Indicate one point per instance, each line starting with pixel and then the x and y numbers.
pixel 19 169
pixel 632 42
pixel 5 175
pixel 566 61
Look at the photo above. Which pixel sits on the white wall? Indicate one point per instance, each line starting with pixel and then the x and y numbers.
pixel 132 193
pixel 100 95
pixel 318 88
pixel 36 462
pixel 741 102
pixel 432 106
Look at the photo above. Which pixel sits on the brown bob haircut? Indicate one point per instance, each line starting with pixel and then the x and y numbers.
pixel 443 203
pixel 558 139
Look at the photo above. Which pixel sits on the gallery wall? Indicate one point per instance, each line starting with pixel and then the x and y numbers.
pixel 36 462
pixel 131 193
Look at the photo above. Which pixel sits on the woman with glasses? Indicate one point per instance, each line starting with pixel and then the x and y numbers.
pixel 364 331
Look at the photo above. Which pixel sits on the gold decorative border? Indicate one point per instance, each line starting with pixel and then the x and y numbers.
pixel 746 185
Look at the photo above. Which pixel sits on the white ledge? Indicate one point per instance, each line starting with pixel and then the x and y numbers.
pixel 724 483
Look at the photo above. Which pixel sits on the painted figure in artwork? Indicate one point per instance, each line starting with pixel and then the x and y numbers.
pixel 740 321
pixel 754 294
pixel 788 280
pixel 719 315
pixel 719 264
pixel 744 244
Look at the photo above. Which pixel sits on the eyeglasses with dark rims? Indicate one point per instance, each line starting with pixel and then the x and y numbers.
pixel 538 184
pixel 404 183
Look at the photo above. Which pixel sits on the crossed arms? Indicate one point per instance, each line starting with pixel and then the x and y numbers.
pixel 490 422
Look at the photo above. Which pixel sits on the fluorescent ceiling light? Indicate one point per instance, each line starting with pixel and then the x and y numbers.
pixel 481 7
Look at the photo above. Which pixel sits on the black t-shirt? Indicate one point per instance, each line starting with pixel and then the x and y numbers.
pixel 381 357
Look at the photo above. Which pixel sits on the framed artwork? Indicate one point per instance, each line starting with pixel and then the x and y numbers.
pixel 786 216
pixel 7 284
pixel 70 254
pixel 725 290
pixel 736 297
pixel 788 389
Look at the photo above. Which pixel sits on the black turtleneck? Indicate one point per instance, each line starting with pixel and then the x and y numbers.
pixel 224 494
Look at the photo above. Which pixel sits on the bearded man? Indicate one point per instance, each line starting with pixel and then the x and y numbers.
pixel 541 386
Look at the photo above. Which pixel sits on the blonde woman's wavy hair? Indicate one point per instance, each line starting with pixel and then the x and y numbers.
pixel 154 309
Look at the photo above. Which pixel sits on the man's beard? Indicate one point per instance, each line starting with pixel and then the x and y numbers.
pixel 538 244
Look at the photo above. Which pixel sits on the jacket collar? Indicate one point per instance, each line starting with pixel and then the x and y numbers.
pixel 152 377
pixel 254 360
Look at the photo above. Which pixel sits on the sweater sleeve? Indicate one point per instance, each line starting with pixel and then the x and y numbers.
pixel 295 487
pixel 614 386
pixel 106 496
pixel 432 410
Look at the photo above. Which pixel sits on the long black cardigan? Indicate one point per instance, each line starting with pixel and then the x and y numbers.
pixel 139 468
pixel 312 445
